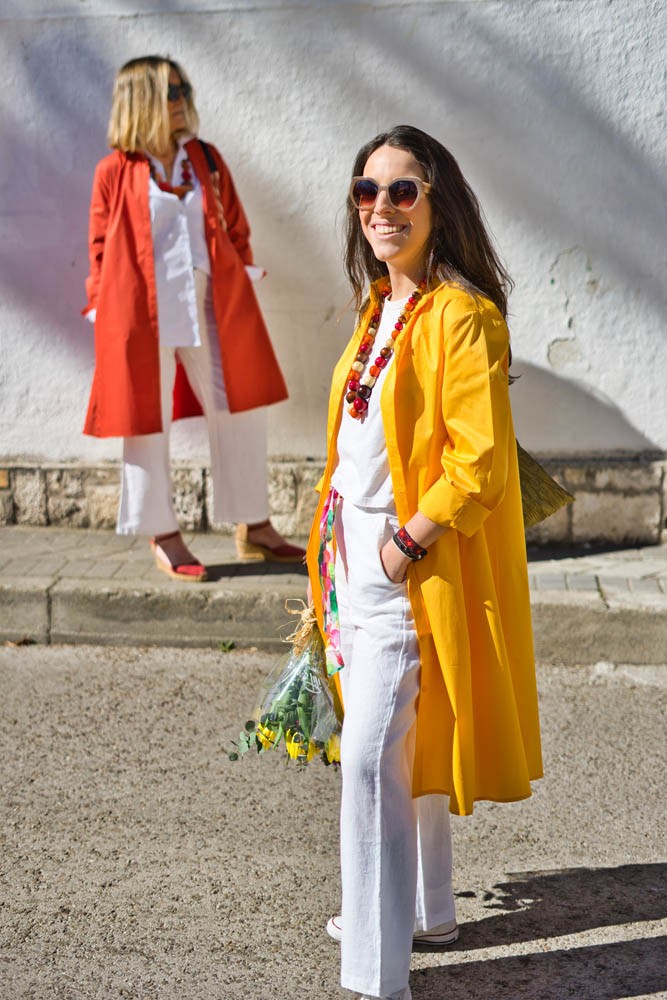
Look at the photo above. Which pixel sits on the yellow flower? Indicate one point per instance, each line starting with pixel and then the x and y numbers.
pixel 293 747
pixel 265 736
pixel 333 748
pixel 296 748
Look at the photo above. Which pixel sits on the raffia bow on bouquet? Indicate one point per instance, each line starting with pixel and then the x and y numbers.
pixel 298 706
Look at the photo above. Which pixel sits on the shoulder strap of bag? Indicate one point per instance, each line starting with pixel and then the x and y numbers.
pixel 213 168
pixel 206 149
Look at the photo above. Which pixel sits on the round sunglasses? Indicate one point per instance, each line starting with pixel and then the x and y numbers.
pixel 403 192
pixel 174 91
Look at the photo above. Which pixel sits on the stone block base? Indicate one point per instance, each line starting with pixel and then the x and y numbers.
pixel 619 501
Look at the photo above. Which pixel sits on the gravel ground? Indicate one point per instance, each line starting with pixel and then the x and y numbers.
pixel 138 863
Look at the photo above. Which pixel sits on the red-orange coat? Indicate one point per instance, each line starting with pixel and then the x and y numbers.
pixel 125 396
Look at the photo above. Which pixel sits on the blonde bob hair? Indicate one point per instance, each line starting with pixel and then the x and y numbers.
pixel 139 117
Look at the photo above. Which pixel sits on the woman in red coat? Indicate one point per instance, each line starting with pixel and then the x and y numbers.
pixel 178 330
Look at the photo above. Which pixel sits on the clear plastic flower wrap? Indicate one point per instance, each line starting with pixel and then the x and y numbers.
pixel 298 706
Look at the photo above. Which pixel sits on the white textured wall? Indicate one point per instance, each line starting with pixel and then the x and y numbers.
pixel 555 110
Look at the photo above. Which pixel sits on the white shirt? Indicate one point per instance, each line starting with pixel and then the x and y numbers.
pixel 179 245
pixel 362 475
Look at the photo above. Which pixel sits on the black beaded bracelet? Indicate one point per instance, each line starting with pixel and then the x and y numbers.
pixel 408 545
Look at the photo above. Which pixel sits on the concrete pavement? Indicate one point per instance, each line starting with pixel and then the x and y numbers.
pixel 138 863
pixel 73 585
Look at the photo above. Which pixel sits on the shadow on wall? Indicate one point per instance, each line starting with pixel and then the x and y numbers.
pixel 537 906
pixel 534 153
pixel 47 180
pixel 556 416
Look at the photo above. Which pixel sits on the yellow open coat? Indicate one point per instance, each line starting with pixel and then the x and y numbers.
pixel 452 455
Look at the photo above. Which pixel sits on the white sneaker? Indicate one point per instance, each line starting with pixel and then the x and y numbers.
pixel 431 940
pixel 401 995
pixel 437 937
pixel 335 928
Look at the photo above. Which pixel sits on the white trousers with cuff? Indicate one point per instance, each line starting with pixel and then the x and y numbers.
pixel 396 857
pixel 237 442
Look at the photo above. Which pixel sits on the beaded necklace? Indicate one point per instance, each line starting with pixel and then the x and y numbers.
pixel 179 189
pixel 360 388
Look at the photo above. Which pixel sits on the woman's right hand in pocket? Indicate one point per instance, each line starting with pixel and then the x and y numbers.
pixel 394 563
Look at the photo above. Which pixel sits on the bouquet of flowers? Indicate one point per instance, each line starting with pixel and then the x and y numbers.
pixel 298 705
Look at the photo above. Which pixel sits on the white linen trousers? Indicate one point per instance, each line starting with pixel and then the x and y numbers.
pixel 237 442
pixel 396 856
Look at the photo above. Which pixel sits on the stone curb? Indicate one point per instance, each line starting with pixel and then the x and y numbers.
pixel 134 613
pixel 24 609
pixel 83 586
pixel 570 627
pixel 201 615
pixel 568 632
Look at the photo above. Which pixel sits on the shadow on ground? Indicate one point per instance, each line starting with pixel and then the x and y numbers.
pixel 218 571
pixel 549 904
pixel 537 906
pixel 601 972
pixel 540 553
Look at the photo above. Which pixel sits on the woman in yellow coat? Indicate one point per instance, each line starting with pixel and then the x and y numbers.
pixel 417 558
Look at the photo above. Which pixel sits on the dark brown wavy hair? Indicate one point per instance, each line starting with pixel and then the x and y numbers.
pixel 460 250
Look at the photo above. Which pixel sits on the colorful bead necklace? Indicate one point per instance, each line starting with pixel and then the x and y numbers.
pixel 360 388
pixel 179 189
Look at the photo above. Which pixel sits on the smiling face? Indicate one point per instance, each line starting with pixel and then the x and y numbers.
pixel 399 238
pixel 177 121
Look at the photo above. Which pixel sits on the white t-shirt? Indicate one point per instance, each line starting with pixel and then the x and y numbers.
pixel 362 475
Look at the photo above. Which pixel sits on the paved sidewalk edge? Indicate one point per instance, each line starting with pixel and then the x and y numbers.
pixel 568 628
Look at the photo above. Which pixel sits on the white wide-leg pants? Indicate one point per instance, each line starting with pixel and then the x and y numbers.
pixel 237 442
pixel 396 859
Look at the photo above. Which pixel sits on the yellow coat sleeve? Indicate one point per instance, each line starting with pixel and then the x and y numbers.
pixel 476 412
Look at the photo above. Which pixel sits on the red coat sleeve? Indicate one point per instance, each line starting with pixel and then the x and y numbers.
pixel 238 229
pixel 97 229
